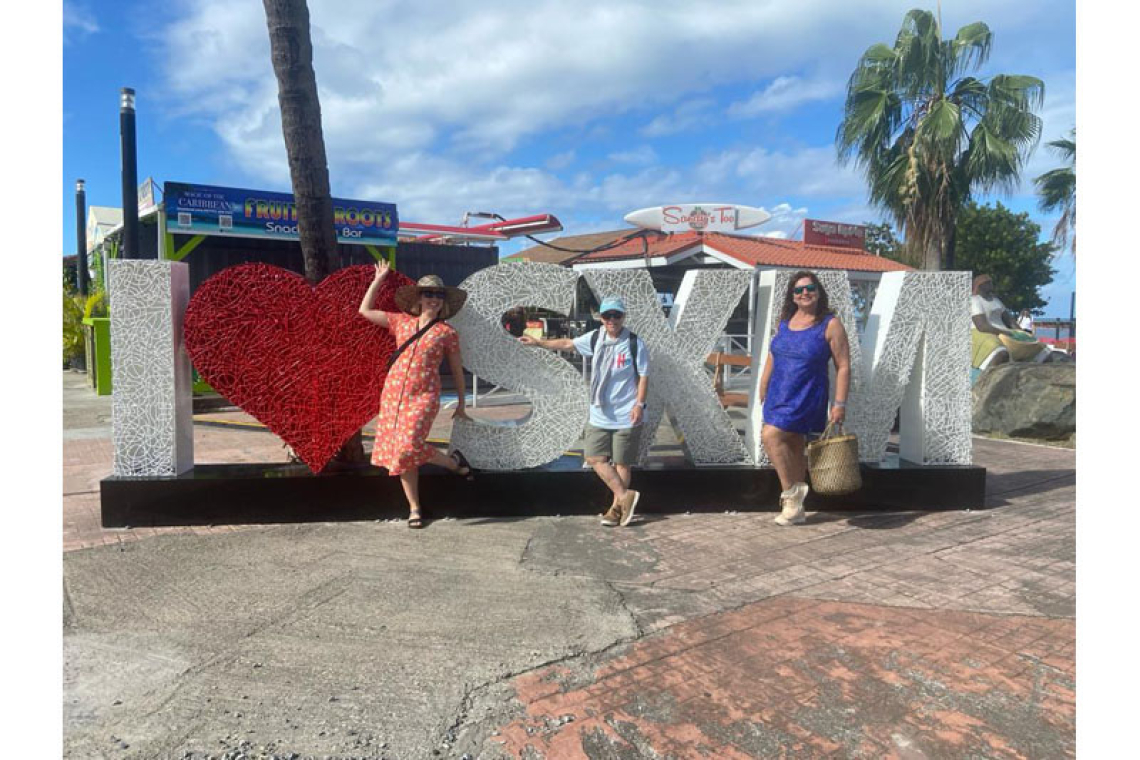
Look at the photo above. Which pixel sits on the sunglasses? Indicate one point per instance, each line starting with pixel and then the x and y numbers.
pixel 612 315
pixel 804 289
pixel 434 293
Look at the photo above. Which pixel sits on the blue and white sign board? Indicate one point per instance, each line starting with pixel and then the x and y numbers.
pixel 236 212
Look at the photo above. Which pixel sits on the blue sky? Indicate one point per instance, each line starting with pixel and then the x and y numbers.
pixel 586 110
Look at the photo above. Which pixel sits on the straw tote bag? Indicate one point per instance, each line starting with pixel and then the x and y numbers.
pixel 833 461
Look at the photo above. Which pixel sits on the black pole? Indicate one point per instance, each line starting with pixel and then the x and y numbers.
pixel 1073 315
pixel 130 174
pixel 81 278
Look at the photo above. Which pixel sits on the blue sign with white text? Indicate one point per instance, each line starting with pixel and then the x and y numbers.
pixel 234 212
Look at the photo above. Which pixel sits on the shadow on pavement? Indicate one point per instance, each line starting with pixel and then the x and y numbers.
pixel 1025 483
pixel 867 520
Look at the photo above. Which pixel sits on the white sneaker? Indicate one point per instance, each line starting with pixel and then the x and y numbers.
pixel 792 505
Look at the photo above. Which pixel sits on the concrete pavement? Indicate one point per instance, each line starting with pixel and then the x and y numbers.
pixel 909 635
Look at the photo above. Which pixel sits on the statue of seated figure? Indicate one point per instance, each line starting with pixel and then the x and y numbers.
pixel 995 338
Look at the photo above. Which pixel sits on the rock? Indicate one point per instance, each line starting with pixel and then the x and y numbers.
pixel 1027 401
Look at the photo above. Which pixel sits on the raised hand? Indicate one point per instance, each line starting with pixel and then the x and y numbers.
pixel 382 269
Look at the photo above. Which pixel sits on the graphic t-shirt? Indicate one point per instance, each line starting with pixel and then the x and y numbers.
pixel 620 393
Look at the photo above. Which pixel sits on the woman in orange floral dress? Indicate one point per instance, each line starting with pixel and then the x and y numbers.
pixel 410 399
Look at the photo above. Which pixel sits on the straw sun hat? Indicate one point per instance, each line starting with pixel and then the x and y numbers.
pixel 408 297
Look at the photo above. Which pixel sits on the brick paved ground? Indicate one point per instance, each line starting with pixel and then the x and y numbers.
pixel 798 677
pixel 908 635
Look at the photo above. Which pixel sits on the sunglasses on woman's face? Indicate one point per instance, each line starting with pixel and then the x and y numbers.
pixel 433 293
pixel 612 315
pixel 804 289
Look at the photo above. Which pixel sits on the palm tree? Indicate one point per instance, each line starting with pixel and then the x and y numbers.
pixel 927 136
pixel 1057 191
pixel 292 50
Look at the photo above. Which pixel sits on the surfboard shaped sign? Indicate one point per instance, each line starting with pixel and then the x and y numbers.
pixel 698 217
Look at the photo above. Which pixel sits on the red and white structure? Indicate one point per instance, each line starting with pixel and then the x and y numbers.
pixel 679 237
pixel 492 232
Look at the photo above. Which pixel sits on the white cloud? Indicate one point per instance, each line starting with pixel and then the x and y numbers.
pixel 560 160
pixel 688 116
pixel 78 22
pixel 810 172
pixel 785 223
pixel 488 77
pixel 786 93
pixel 643 154
pixel 423 104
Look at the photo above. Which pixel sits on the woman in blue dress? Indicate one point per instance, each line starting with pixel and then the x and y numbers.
pixel 794 386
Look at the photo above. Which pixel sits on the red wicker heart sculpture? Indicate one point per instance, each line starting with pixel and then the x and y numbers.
pixel 300 359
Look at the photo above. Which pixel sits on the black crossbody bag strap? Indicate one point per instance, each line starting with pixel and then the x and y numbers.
pixel 396 354
pixel 633 353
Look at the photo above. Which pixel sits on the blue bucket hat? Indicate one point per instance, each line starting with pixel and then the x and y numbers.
pixel 611 303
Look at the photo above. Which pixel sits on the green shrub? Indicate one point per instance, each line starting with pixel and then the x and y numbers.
pixel 73 306
pixel 95 305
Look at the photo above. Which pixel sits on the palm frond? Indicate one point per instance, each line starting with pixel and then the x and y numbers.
pixel 1066 147
pixel 942 130
pixel 1055 188
pixel 971 95
pixel 1017 90
pixel 1057 191
pixel 871 117
pixel 970 48
pixel 926 134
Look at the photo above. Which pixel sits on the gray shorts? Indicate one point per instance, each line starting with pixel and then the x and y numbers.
pixel 619 446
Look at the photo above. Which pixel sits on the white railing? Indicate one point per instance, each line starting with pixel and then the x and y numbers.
pixel 739 344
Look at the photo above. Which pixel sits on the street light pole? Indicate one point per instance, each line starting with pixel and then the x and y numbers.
pixel 81 278
pixel 1073 315
pixel 130 174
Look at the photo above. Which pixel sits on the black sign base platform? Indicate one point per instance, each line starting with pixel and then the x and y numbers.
pixel 283 493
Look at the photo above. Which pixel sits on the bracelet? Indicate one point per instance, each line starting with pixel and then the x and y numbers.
pixel 840 404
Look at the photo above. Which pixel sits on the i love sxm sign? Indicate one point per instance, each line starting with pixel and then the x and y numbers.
pixel 911 360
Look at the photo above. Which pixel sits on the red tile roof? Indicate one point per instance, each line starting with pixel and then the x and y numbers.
pixel 750 250
pixel 795 253
pixel 576 244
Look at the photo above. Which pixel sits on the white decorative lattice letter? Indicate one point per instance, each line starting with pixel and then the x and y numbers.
pixel 677 352
pixel 917 357
pixel 151 407
pixel 771 289
pixel 558 397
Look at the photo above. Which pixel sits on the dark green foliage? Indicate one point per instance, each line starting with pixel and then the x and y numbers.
pixel 881 241
pixel 69 276
pixel 995 241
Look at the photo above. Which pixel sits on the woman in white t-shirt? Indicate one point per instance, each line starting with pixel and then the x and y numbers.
pixel 1025 321
pixel 995 338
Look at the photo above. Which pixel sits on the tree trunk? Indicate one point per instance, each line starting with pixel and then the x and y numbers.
pixel 291 49
pixel 951 242
pixel 292 52
pixel 932 256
